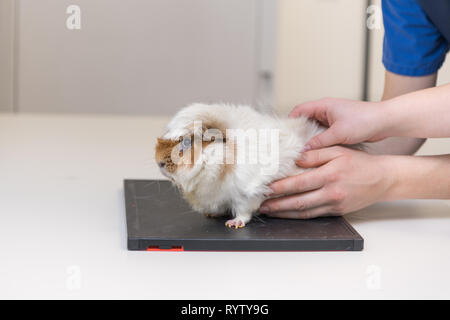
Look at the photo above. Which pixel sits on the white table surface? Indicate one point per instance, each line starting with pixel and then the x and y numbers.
pixel 63 232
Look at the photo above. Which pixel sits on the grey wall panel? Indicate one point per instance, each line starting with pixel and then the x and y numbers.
pixel 6 55
pixel 135 56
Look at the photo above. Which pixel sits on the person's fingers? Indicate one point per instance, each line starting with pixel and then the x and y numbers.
pixel 321 211
pixel 306 109
pixel 313 109
pixel 298 202
pixel 316 158
pixel 324 139
pixel 306 181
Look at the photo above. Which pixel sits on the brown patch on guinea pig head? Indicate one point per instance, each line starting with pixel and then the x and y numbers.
pixel 163 154
pixel 182 154
pixel 170 155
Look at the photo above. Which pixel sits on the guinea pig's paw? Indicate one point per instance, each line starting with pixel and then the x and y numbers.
pixel 235 223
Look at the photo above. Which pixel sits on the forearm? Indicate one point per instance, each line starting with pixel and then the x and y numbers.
pixel 421 114
pixel 394 86
pixel 395 146
pixel 417 177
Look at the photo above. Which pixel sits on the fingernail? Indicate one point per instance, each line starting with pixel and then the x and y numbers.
pixel 302 156
pixel 268 193
pixel 264 209
pixel 307 147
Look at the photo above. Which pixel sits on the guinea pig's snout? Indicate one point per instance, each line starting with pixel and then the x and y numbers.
pixel 161 164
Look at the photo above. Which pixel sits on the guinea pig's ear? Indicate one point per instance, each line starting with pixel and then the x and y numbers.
pixel 211 132
pixel 214 135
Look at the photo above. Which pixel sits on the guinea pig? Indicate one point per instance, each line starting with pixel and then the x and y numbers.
pixel 223 157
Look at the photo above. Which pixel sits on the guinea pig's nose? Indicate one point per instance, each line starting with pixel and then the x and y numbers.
pixel 161 164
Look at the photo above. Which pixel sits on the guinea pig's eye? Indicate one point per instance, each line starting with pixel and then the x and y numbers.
pixel 185 144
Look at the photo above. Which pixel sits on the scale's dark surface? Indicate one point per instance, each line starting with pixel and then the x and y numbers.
pixel 158 218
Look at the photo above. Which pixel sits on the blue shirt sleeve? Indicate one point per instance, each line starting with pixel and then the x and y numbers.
pixel 412 45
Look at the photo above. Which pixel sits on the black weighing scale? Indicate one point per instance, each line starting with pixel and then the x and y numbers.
pixel 159 219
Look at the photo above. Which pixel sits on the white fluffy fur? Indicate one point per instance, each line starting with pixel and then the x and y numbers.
pixel 242 189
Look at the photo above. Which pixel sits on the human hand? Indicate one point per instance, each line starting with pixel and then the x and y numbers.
pixel 345 180
pixel 349 121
